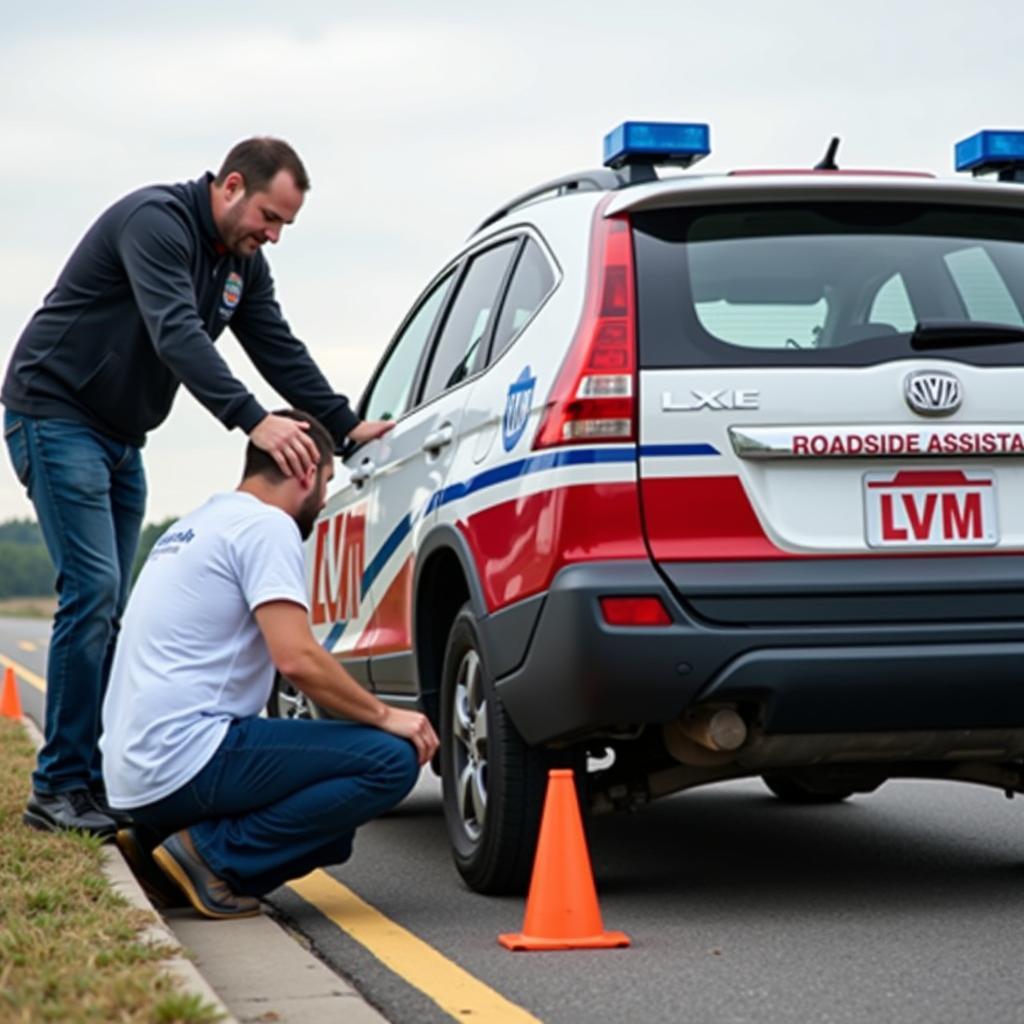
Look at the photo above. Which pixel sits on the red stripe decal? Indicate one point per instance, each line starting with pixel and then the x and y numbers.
pixel 390 627
pixel 703 519
pixel 519 545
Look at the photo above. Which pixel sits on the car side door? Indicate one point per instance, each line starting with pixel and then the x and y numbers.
pixel 341 597
pixel 411 464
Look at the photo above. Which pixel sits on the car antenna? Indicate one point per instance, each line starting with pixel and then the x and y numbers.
pixel 828 161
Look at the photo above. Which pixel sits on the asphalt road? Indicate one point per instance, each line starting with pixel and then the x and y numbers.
pixel 898 906
pixel 25 641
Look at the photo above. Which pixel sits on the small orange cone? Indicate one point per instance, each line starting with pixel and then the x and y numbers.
pixel 561 909
pixel 10 702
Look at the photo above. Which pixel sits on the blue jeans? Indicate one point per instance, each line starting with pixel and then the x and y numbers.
pixel 89 493
pixel 281 797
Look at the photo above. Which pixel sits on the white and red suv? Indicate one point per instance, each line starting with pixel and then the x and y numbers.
pixel 696 478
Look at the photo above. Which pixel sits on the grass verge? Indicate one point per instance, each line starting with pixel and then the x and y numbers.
pixel 28 607
pixel 70 947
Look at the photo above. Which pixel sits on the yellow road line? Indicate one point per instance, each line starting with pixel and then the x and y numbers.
pixel 27 674
pixel 455 990
pixel 27 645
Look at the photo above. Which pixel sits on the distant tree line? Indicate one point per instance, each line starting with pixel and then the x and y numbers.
pixel 25 567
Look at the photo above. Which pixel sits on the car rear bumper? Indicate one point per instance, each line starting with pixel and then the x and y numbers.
pixel 825 665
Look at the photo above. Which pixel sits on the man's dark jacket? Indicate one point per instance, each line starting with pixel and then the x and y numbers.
pixel 134 314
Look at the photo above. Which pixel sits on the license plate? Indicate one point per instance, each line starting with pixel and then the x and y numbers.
pixel 930 508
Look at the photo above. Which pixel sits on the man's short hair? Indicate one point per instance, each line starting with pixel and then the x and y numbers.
pixel 260 463
pixel 258 160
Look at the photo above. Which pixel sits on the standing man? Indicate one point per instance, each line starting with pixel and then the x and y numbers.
pixel 244 803
pixel 134 314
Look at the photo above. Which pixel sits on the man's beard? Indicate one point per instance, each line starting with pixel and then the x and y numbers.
pixel 306 516
pixel 232 239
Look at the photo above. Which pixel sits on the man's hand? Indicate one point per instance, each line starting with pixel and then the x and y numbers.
pixel 287 442
pixel 413 726
pixel 369 430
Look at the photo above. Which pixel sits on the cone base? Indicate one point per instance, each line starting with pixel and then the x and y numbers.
pixel 518 941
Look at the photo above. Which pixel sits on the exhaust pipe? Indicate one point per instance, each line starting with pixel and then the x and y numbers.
pixel 709 729
pixel 718 729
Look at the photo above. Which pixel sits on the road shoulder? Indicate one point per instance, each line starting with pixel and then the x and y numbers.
pixel 249 970
pixel 262 972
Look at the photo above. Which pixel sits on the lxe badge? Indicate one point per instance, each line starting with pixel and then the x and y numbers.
pixel 722 398
pixel 517 409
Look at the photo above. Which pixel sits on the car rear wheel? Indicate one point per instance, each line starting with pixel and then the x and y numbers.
pixel 287 701
pixel 493 782
pixel 790 791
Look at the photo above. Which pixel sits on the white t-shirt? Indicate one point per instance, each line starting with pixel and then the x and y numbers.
pixel 191 657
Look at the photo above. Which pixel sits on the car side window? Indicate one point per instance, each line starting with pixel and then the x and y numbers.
pixel 532 281
pixel 892 305
pixel 982 288
pixel 458 348
pixel 390 395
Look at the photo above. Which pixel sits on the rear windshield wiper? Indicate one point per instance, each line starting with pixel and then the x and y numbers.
pixel 933 334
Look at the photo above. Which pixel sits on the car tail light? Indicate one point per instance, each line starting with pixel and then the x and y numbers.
pixel 594 397
pixel 634 611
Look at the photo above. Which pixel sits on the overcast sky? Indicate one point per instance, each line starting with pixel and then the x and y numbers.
pixel 415 120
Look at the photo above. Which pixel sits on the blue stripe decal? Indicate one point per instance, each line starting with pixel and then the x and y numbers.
pixel 332 638
pixel 387 549
pixel 533 464
pixel 512 471
pixel 648 451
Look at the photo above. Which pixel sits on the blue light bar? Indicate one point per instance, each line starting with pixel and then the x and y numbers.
pixel 654 142
pixel 990 151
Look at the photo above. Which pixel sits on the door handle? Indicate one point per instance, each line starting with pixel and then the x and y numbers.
pixel 437 440
pixel 362 473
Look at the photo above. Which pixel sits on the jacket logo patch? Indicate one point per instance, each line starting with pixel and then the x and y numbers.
pixel 232 294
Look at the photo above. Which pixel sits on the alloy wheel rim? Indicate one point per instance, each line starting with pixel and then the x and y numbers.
pixel 469 728
pixel 292 703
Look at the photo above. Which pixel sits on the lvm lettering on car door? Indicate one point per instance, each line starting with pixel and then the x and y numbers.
pixel 338 562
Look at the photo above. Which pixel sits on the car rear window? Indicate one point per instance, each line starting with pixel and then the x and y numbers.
pixel 844 283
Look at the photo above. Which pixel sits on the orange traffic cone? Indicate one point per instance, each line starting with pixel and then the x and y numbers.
pixel 561 909
pixel 10 702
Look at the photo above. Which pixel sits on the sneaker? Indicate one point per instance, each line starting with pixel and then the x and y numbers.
pixel 156 885
pixel 98 795
pixel 62 812
pixel 211 896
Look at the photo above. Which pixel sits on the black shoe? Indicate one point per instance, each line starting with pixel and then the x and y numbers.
pixel 179 860
pixel 132 843
pixel 98 795
pixel 61 812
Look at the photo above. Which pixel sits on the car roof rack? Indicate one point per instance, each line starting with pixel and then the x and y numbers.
pixel 600 180
pixel 631 152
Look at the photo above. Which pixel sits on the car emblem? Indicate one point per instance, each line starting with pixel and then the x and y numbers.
pixel 933 392
pixel 517 408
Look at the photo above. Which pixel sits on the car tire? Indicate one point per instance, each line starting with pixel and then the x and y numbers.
pixel 790 791
pixel 287 701
pixel 493 781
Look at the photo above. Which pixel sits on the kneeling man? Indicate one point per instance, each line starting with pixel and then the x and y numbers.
pixel 243 803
